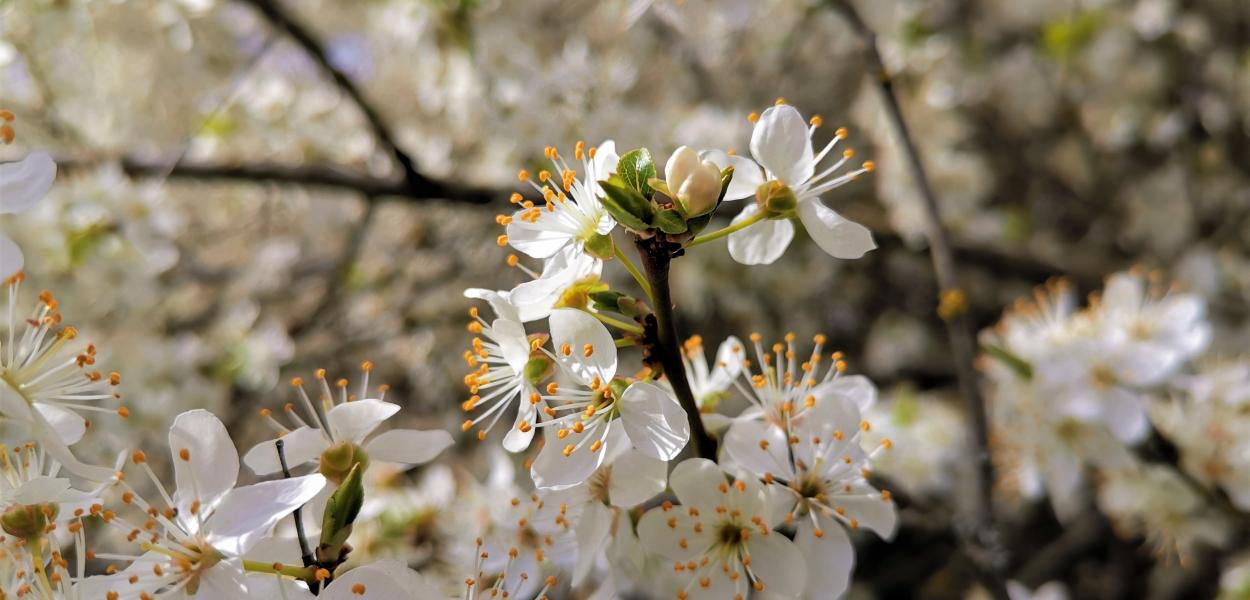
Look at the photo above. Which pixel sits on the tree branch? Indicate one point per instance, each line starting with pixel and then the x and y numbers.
pixel 984 538
pixel 279 18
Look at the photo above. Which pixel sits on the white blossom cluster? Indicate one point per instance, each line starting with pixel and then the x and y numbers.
pixel 1083 398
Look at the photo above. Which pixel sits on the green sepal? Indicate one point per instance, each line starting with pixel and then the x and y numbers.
pixel 341 510
pixel 669 220
pixel 626 204
pixel 636 168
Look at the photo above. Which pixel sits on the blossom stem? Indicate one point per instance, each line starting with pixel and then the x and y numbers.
pixel 633 270
pixel 256 566
pixel 980 533
pixel 657 255
pixel 625 342
pixel 617 323
pixel 734 227
pixel 305 551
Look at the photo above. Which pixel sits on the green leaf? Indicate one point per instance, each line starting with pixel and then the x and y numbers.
pixel 626 204
pixel 606 297
pixel 635 168
pixel 669 221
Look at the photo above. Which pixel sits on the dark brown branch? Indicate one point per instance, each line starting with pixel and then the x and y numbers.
pixel 314 176
pixel 982 534
pixel 278 16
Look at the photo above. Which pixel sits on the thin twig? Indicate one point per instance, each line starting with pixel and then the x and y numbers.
pixel 278 16
pixel 342 270
pixel 305 551
pixel 959 329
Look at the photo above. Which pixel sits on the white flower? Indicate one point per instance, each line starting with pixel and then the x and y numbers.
pixel 533 300
pixel 1153 500
pixel 694 183
pixel 711 385
pixel 781 143
pixel 45 385
pixel 498 380
pixel 22 184
pixel 1172 324
pixel 339 432
pixel 784 388
pixel 198 541
pixel 818 459
pixel 623 482
pixel 570 214
pixel 597 413
pixel 720 539
pixel 381 580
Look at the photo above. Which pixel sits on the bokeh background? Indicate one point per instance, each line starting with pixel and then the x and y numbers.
pixel 233 209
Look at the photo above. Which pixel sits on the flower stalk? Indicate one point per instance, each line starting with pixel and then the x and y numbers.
pixel 656 255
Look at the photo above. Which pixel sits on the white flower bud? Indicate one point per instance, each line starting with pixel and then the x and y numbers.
pixel 695 185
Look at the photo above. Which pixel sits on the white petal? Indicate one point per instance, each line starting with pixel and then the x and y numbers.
pixel 516 440
pixel 408 446
pixel 300 446
pixel 747 175
pixel 696 482
pixel 1123 291
pixel 728 365
pixel 354 421
pixel 25 182
pixel 662 531
pixel 378 583
pixel 762 243
pixel 856 389
pixel 249 513
pixel 881 516
pixel 67 423
pixel 513 342
pixel 1125 415
pixel 743 445
pixel 554 471
pixel 635 479
pixel 680 165
pixel 830 558
pixel 656 424
pixel 213 465
pixel 11 258
pixel 262 586
pixel 781 143
pixel 605 160
pixel 225 580
pixel 779 564
pixel 592 533
pixel 499 302
pixel 534 299
pixel 578 329
pixel 541 238
pixel 835 235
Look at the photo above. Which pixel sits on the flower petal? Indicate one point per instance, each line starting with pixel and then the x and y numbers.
pixel 635 479
pixel 835 235
pixel 552 470
pixel 249 513
pixel 67 423
pixel 856 389
pixel 226 579
pixel 830 558
pixel 25 182
pixel 354 421
pixel 578 332
pixel 656 424
pixel 408 446
pixel 300 446
pixel 516 440
pixel 779 564
pixel 747 175
pixel 212 465
pixel 762 243
pixel 499 302
pixel 11 258
pixel 696 482
pixel 782 143
pixel 513 342
pixel 593 530
pixel 540 238
pixel 759 448
pixel 662 531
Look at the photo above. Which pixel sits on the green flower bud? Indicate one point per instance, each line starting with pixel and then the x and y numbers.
pixel 337 461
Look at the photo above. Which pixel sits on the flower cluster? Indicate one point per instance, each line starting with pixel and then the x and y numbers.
pixel 1097 389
